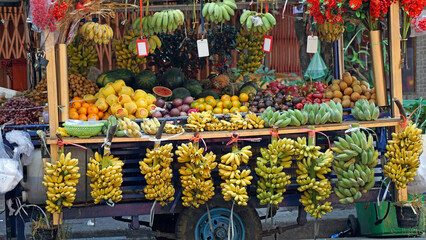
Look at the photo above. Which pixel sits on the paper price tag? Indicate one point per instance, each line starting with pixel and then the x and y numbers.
pixel 312 45
pixel 142 46
pixel 267 44
pixel 203 48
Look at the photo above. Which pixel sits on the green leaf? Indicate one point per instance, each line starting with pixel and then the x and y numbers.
pixel 358 14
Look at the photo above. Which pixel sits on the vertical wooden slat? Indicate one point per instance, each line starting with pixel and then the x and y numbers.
pixel 62 74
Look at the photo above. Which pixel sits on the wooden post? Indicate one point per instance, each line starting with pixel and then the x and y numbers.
pixel 395 70
pixel 62 81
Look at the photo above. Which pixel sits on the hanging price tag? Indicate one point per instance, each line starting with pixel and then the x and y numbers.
pixel 267 44
pixel 142 46
pixel 312 45
pixel 203 48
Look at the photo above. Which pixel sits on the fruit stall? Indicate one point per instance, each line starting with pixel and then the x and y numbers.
pixel 168 131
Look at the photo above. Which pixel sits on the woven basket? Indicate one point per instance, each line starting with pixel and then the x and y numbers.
pixel 84 131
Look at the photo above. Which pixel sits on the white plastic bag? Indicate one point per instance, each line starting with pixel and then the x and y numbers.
pixel 418 25
pixel 418 186
pixel 25 146
pixel 10 169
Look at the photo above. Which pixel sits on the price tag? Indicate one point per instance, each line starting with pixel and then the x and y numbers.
pixel 203 48
pixel 312 45
pixel 267 44
pixel 142 46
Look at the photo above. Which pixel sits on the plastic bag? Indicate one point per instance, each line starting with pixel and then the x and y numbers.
pixel 317 68
pixel 418 186
pixel 25 146
pixel 418 25
pixel 10 169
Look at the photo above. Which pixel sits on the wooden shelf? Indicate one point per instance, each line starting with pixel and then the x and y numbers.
pixel 389 122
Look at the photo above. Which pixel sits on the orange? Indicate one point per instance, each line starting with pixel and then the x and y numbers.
pixel 73 110
pixel 217 110
pixel 83 117
pixel 86 105
pixel 93 116
pixel 236 104
pixel 219 105
pixel 82 110
pixel 225 111
pixel 235 98
pixel 227 104
pixel 103 115
pixel 74 115
pixel 243 109
pixel 76 105
pixel 234 110
pixel 77 99
pixel 201 107
pixel 209 97
pixel 209 108
pixel 225 97
pixel 201 100
pixel 92 110
pixel 211 102
pixel 194 105
pixel 91 104
pixel 244 97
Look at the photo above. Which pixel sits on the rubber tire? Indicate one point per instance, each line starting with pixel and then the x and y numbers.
pixel 354 226
pixel 188 218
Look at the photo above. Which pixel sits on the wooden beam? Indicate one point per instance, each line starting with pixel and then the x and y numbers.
pixel 61 54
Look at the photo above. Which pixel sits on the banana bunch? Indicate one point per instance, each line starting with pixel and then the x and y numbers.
pixel 273 180
pixel 151 126
pixel 285 118
pixel 257 22
pixel 311 168
pixel 354 166
pixel 196 121
pixel 324 113
pixel 173 129
pixel 252 44
pixel 126 52
pixel 154 42
pixel 147 27
pixel 167 20
pixel 330 32
pixel 62 131
pixel 365 111
pixel 254 122
pixel 219 12
pixel 131 128
pixel 235 180
pixel 99 33
pixel 195 174
pixel 81 57
pixel 106 178
pixel 221 125
pixel 156 169
pixel 60 179
pixel 238 120
pixel 403 152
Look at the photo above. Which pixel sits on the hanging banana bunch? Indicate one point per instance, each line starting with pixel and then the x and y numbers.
pixel 60 179
pixel 98 33
pixel 257 22
pixel 195 174
pixel 158 175
pixel 252 44
pixel 126 52
pixel 219 12
pixel 273 181
pixel 311 170
pixel 330 32
pixel 234 187
pixel 148 29
pixel 403 152
pixel 167 20
pixel 82 56
pixel 154 42
pixel 354 165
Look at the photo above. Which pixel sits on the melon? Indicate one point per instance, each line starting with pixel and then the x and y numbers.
pixel 119 74
pixel 162 91
pixel 208 93
pixel 194 87
pixel 173 78
pixel 181 93
pixel 145 80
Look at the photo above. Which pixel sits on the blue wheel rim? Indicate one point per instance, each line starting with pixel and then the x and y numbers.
pixel 220 222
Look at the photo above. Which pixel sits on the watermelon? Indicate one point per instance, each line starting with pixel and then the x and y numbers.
pixel 208 93
pixel 162 91
pixel 145 80
pixel 180 93
pixel 111 76
pixel 194 87
pixel 173 78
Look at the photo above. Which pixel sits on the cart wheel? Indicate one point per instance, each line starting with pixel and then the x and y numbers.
pixel 353 225
pixel 193 224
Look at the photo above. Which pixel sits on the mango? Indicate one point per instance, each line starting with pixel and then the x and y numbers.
pixel 111 99
pixel 114 108
pixel 117 85
pixel 141 113
pixel 121 113
pixel 131 107
pixel 126 90
pixel 124 99
pixel 141 103
pixel 108 90
pixel 139 93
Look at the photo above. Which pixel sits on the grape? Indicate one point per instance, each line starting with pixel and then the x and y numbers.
pixel 21 111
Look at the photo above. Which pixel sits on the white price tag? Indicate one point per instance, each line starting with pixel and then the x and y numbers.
pixel 312 45
pixel 142 46
pixel 203 48
pixel 267 44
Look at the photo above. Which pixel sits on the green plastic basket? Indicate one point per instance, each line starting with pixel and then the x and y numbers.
pixel 84 131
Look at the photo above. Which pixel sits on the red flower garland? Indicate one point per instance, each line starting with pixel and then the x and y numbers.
pixel 326 11
pixel 412 7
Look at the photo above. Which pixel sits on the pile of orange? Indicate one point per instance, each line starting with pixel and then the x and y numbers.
pixel 226 104
pixel 82 110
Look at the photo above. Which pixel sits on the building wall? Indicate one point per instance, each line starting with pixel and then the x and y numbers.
pixel 420 69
